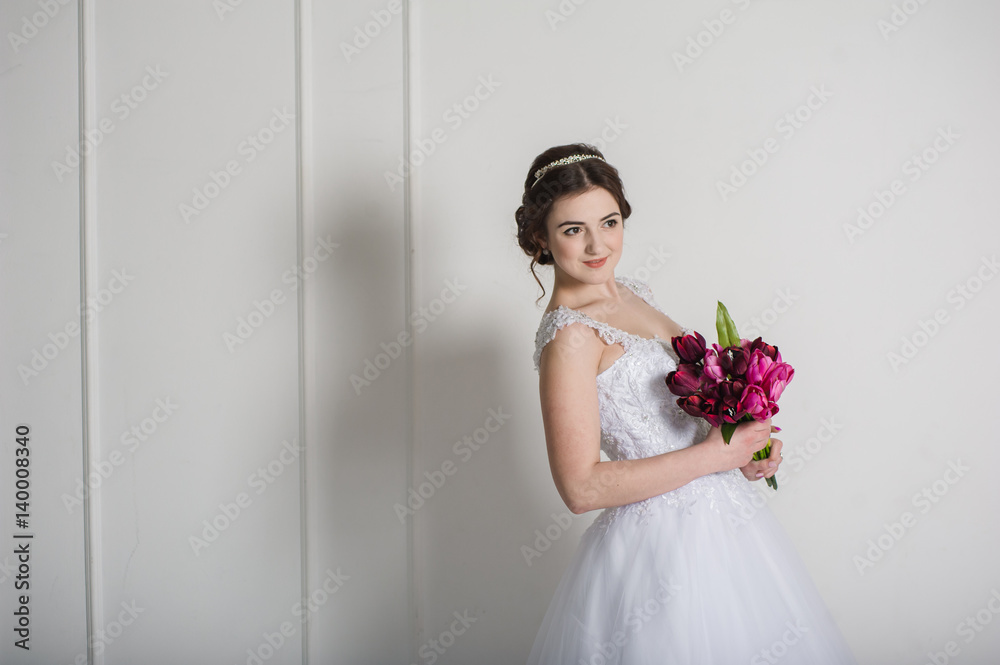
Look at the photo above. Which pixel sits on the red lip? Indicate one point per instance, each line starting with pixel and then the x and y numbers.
pixel 597 264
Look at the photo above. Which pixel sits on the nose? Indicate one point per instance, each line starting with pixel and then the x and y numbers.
pixel 594 244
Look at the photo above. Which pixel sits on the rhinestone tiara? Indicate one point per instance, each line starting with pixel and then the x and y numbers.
pixel 562 162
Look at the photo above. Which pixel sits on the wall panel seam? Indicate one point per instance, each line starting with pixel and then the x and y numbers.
pixel 301 337
pixel 91 504
pixel 408 282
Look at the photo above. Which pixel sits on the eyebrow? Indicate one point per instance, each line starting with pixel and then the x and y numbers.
pixel 608 216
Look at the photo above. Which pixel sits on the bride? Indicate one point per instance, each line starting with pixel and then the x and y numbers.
pixel 682 566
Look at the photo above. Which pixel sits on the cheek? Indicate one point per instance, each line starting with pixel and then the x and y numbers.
pixel 617 240
pixel 566 243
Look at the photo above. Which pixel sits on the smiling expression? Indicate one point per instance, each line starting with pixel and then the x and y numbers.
pixel 585 235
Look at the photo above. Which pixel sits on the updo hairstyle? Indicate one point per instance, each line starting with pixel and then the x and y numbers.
pixel 564 180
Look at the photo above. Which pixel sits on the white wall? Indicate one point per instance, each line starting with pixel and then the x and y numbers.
pixel 435 256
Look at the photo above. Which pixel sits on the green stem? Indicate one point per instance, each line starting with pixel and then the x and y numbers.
pixel 764 454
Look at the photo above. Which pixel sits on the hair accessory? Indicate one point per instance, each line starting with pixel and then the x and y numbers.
pixel 562 162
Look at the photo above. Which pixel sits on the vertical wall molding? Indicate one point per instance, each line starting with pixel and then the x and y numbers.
pixel 408 299
pixel 301 18
pixel 91 499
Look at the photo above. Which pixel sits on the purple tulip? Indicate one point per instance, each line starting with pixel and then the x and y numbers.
pixel 730 393
pixel 713 364
pixel 732 416
pixel 757 367
pixel 692 404
pixel 734 361
pixel 728 384
pixel 689 348
pixel 767 349
pixel 700 407
pixel 685 380
pixel 709 388
pixel 776 379
pixel 755 403
pixel 772 410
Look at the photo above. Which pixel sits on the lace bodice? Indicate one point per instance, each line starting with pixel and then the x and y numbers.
pixel 701 553
pixel 639 415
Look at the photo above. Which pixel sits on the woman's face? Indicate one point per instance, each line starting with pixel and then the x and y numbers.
pixel 584 227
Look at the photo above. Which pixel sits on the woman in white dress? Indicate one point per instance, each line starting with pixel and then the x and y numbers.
pixel 682 566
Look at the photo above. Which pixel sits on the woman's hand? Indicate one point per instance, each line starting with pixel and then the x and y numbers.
pixel 765 468
pixel 747 439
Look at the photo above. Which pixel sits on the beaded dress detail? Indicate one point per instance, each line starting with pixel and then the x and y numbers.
pixel 701 574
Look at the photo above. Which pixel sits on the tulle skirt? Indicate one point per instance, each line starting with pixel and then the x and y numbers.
pixel 714 581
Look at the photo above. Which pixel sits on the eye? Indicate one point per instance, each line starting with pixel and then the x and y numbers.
pixel 612 221
pixel 572 228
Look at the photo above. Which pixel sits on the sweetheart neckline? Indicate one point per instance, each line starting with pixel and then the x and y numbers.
pixel 655 338
pixel 624 282
pixel 628 350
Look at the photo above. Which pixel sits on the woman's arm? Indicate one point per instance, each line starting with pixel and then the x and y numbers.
pixel 570 412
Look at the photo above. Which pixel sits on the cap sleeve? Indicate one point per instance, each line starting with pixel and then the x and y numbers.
pixel 562 317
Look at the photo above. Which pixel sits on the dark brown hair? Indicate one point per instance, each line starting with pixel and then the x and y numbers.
pixel 569 179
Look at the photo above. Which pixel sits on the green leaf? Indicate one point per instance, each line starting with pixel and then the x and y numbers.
pixel 728 336
pixel 727 431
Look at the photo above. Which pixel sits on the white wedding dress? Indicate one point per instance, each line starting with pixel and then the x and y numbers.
pixel 696 576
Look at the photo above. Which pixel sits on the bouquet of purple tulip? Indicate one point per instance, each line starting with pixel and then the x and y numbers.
pixel 731 382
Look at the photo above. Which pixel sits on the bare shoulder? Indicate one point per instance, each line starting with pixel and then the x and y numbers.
pixel 674 329
pixel 573 353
